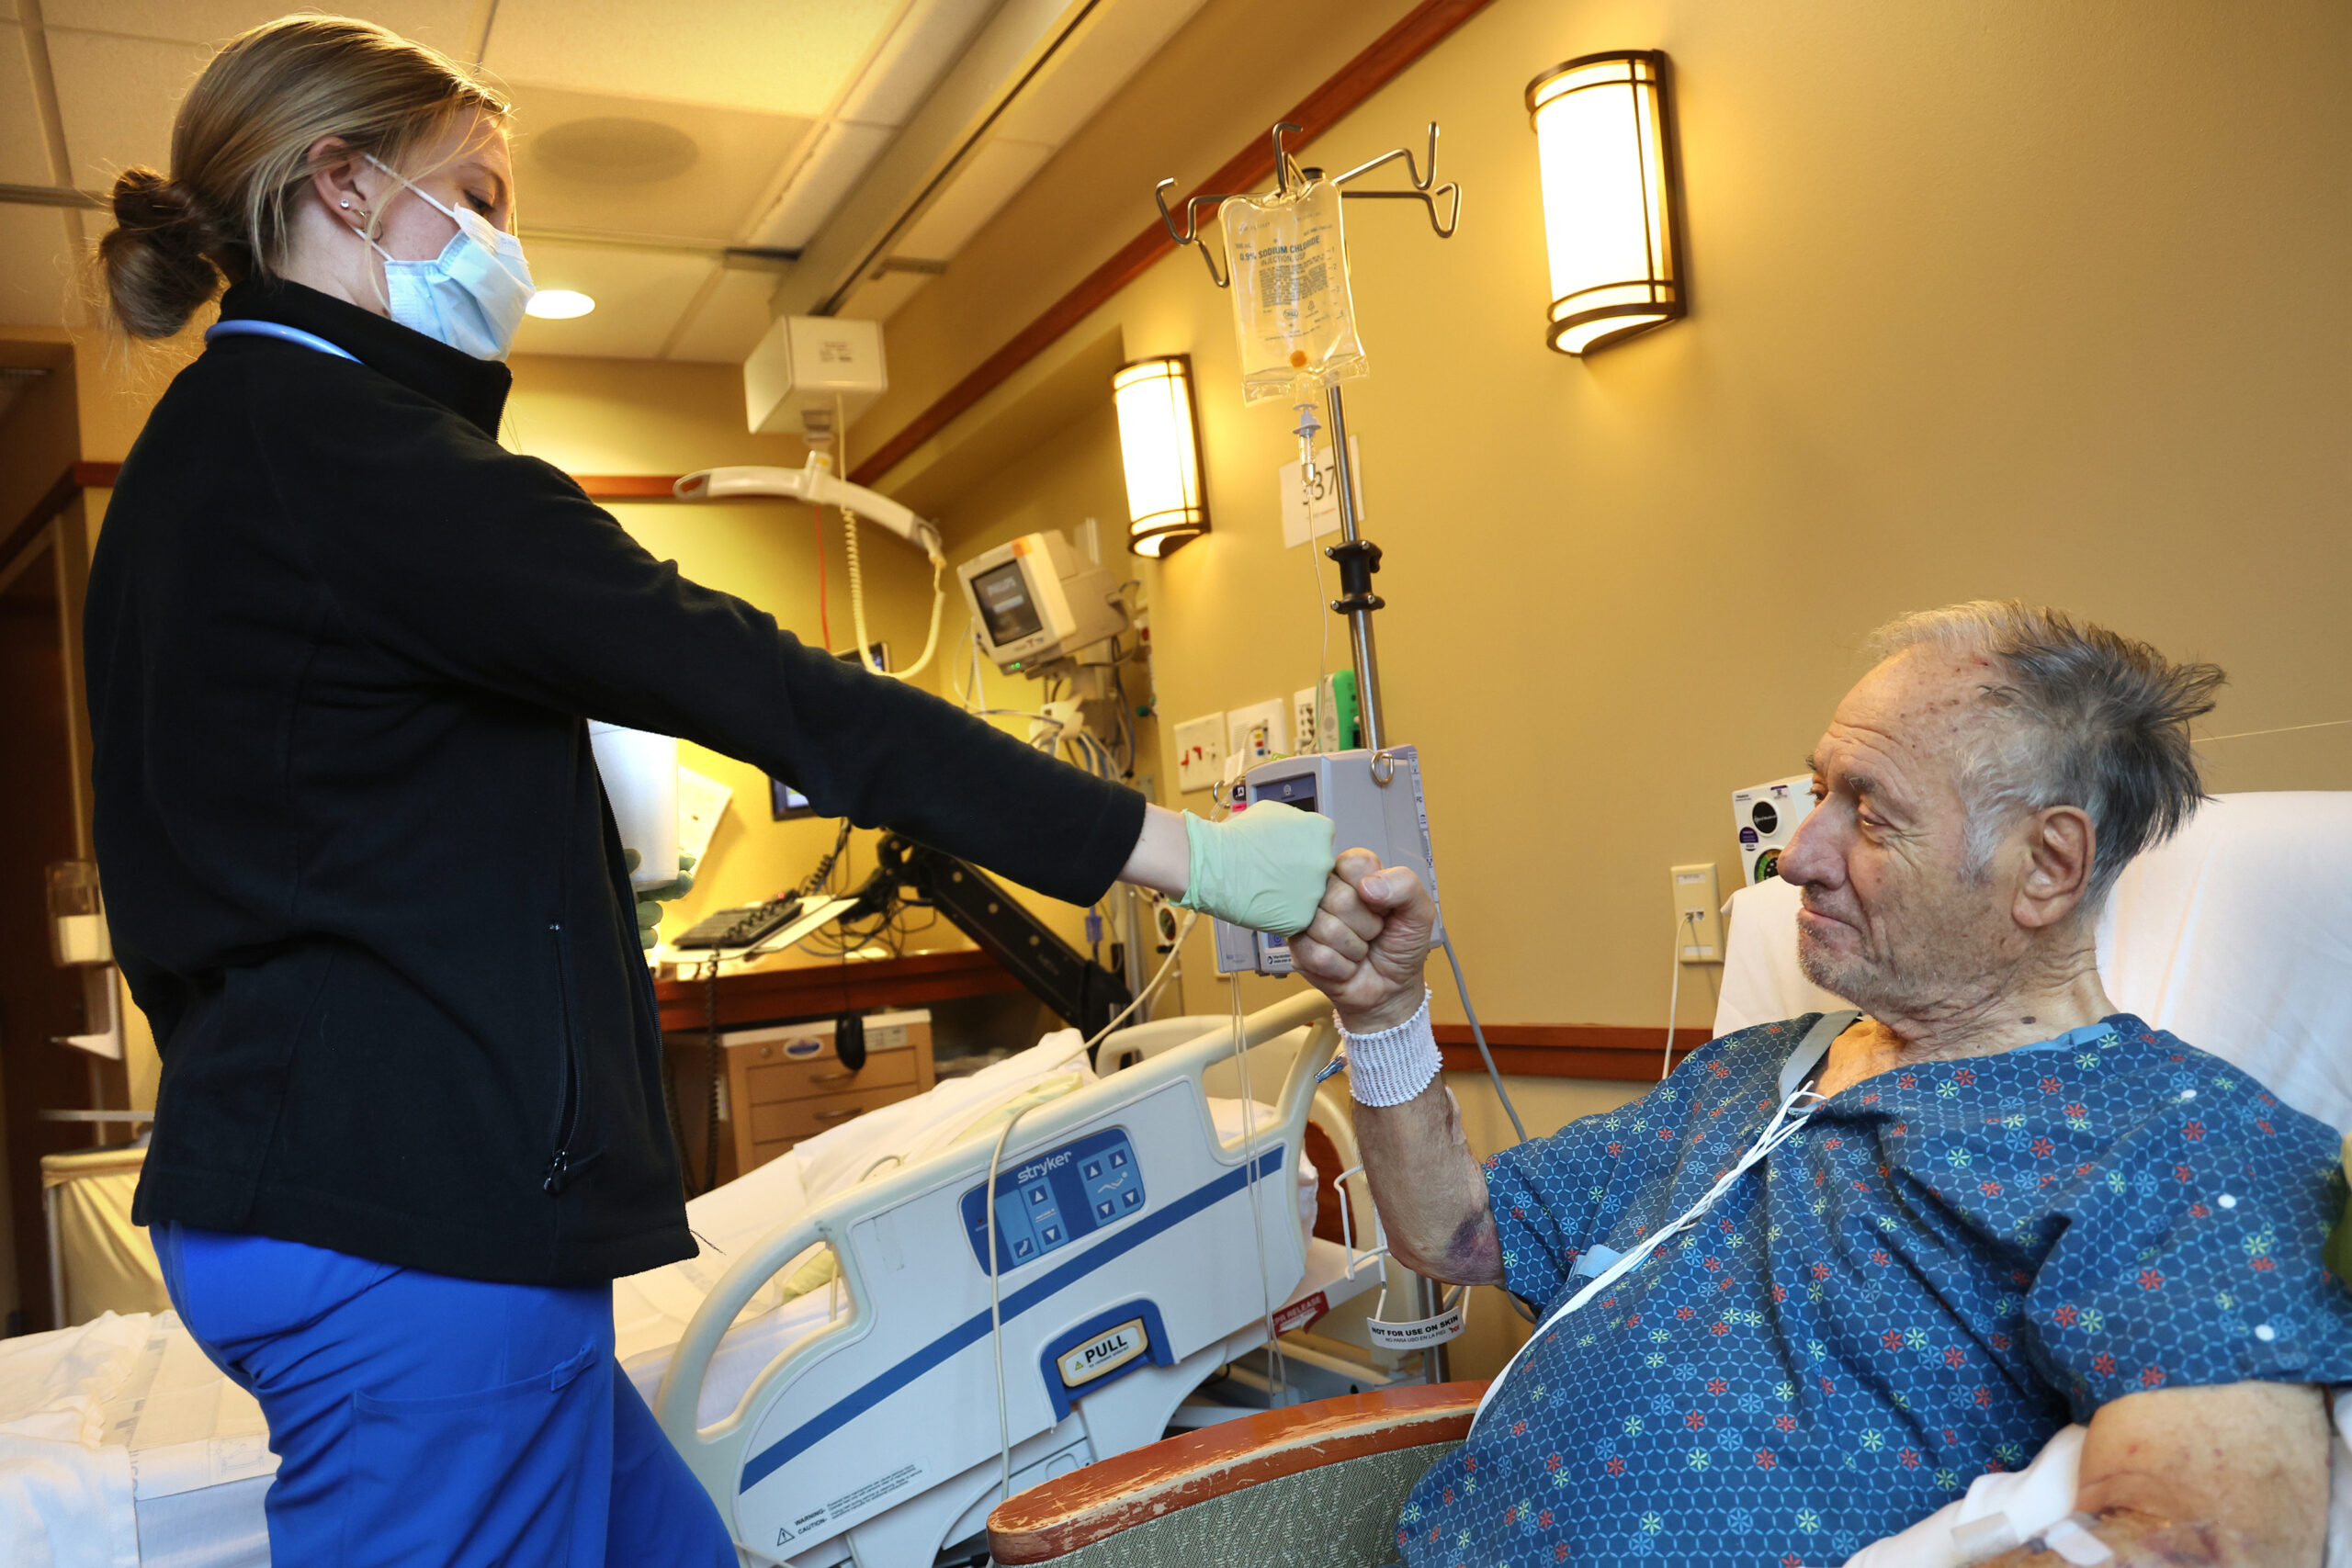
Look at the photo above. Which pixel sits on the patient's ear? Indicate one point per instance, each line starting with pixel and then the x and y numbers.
pixel 2060 846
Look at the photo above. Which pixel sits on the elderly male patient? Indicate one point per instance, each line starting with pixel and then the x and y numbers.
pixel 2007 1206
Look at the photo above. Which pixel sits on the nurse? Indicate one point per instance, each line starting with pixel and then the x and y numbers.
pixel 341 648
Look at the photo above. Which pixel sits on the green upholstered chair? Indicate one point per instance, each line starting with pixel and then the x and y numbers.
pixel 1311 1486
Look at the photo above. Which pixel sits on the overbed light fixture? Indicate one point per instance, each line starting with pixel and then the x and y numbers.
pixel 559 304
pixel 1604 140
pixel 1160 442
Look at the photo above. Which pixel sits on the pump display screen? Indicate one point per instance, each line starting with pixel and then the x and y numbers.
pixel 1005 604
pixel 1298 791
pixel 1057 1197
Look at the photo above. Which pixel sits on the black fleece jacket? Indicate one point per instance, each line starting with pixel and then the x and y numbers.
pixel 342 649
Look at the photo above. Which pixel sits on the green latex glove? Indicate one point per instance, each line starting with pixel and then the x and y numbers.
pixel 1263 867
pixel 650 900
pixel 2337 1253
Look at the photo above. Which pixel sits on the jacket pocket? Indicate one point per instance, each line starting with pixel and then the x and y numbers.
pixel 563 1161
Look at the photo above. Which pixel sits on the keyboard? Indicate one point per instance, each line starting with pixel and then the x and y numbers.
pixel 740 928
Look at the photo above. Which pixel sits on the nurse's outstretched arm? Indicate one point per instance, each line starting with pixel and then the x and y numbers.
pixel 1365 950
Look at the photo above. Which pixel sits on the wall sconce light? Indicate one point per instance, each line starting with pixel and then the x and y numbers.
pixel 1160 442
pixel 1604 140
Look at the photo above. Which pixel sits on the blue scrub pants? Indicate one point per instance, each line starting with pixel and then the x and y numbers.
pixel 424 1420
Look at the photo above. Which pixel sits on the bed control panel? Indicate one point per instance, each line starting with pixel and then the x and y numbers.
pixel 1050 1199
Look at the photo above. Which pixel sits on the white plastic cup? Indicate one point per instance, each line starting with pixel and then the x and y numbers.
pixel 640 773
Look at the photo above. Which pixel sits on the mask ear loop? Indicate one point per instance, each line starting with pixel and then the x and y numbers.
pixel 365 230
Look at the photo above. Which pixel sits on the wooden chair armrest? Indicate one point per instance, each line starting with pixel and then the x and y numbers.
pixel 1104 1498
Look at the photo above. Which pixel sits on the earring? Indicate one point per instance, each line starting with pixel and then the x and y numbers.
pixel 344 204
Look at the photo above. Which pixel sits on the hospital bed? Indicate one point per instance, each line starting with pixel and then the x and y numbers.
pixel 2236 935
pixel 122 1447
pixel 1138 1247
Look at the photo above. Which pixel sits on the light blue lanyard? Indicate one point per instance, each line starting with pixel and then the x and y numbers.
pixel 243 327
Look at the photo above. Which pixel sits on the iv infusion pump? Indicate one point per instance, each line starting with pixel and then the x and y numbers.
pixel 1374 801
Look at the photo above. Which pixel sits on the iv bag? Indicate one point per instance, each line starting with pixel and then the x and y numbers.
pixel 1288 259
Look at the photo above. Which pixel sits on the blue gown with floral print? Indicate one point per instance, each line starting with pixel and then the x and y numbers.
pixel 1943 1267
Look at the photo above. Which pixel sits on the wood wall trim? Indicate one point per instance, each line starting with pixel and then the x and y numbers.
pixel 627 487
pixel 1103 1499
pixel 1379 63
pixel 79 476
pixel 1614 1051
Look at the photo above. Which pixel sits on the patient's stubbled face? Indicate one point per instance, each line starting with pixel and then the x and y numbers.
pixel 1894 919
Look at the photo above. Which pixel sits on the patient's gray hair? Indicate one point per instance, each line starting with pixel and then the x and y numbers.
pixel 2087 718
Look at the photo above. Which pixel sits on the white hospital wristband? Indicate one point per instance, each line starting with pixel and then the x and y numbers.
pixel 1393 1065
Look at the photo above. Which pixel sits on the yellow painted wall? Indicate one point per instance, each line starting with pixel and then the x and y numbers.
pixel 1999 299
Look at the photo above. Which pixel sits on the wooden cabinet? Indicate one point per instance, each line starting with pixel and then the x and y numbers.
pixel 784 1083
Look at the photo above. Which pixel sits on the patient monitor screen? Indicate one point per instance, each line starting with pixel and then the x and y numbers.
pixel 1005 604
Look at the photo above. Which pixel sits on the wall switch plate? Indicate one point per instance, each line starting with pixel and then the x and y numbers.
pixel 1304 705
pixel 1256 734
pixel 1698 912
pixel 1200 752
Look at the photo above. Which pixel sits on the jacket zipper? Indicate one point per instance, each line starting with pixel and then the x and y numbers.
pixel 560 1164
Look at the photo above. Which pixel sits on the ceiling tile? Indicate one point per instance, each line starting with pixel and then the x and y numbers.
pixel 24 153
pixel 447 25
pixel 878 298
pixel 117 97
pixel 1097 64
pixel 992 176
pixel 913 57
pixel 35 267
pixel 750 54
pixel 842 153
pixel 731 321
pixel 603 164
pixel 640 296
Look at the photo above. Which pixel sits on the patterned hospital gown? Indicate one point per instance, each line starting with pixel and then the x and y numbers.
pixel 1942 1268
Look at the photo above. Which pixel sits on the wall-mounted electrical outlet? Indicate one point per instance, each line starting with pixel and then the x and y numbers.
pixel 1258 733
pixel 1200 752
pixel 1698 910
pixel 1304 705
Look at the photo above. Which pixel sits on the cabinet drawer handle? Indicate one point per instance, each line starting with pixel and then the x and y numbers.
pixel 832 1078
pixel 840 1115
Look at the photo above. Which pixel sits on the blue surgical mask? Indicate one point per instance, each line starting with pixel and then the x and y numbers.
pixel 471 295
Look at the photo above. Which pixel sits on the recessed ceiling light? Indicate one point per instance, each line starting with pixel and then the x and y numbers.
pixel 559 304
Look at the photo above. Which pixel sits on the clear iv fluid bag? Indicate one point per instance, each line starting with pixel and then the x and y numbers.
pixel 1287 257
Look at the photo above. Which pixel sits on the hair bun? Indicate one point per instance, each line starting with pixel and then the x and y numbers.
pixel 145 202
pixel 155 258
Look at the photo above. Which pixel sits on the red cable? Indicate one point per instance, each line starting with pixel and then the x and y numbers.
pixel 824 618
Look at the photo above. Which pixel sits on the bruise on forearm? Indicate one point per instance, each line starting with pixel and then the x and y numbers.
pixel 1430 1189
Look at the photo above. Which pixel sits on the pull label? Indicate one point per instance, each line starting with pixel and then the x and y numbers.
pixel 1106 1352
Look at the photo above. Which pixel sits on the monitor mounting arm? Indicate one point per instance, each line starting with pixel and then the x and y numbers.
pixel 1080 992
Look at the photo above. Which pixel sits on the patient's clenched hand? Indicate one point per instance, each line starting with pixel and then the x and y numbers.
pixel 1368 941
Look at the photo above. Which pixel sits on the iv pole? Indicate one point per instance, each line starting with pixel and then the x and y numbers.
pixel 1358 557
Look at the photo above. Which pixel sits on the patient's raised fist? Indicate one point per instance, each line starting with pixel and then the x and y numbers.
pixel 1368 941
